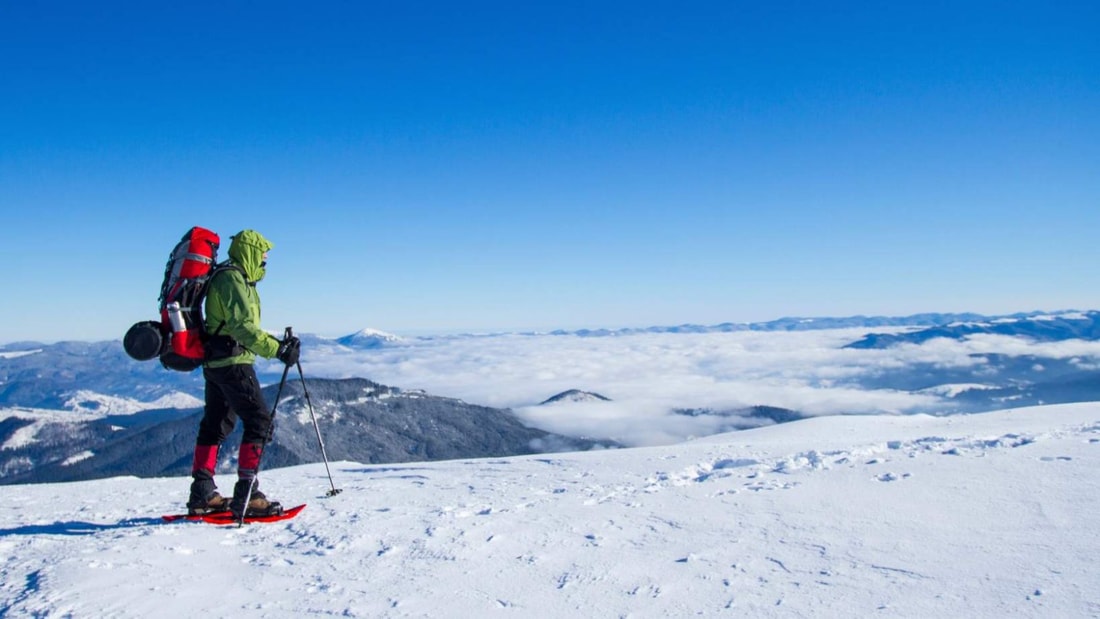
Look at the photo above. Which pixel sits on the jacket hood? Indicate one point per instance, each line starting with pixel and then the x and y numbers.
pixel 247 251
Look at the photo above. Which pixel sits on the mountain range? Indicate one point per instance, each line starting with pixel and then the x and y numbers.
pixel 38 375
pixel 1036 327
pixel 359 420
pixel 793 323
pixel 79 410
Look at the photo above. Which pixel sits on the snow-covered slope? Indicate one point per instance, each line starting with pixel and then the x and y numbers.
pixel 34 420
pixel 32 439
pixel 986 515
pixel 104 405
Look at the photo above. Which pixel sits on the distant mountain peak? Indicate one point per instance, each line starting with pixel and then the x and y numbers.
pixel 575 395
pixel 368 338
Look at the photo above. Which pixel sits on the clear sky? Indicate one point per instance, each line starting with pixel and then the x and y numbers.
pixel 430 166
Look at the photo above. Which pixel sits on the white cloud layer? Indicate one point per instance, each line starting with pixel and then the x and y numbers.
pixel 647 375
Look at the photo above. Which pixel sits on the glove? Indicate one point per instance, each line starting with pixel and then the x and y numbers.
pixel 289 350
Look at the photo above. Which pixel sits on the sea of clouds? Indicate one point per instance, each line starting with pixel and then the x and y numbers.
pixel 647 375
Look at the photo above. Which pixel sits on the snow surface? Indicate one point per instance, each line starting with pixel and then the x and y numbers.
pixel 986 515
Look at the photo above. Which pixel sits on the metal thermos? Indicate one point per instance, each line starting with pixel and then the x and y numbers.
pixel 175 317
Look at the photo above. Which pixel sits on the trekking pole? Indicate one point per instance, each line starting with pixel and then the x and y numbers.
pixel 267 440
pixel 334 491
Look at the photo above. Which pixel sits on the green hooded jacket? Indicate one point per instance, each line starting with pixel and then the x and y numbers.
pixel 233 305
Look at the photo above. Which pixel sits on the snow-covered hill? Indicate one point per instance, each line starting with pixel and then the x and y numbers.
pixel 988 515
pixel 574 396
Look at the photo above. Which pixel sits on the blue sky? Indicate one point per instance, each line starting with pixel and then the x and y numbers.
pixel 430 166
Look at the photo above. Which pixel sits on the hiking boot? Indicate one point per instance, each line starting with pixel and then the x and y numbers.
pixel 204 498
pixel 212 505
pixel 215 503
pixel 258 504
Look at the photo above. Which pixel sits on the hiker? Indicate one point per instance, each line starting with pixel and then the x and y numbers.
pixel 234 339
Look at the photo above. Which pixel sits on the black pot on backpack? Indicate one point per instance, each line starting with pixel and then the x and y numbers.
pixel 145 340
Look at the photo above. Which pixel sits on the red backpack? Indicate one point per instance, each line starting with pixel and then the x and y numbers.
pixel 178 338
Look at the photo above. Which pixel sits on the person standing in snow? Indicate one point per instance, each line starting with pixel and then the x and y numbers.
pixel 232 388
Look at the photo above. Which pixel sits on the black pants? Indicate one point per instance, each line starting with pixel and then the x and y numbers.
pixel 233 392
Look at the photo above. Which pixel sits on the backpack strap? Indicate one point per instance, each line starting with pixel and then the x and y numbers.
pixel 219 346
pixel 222 267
